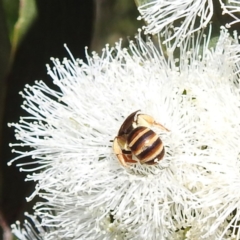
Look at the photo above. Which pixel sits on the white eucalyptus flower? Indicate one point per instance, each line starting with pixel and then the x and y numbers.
pixel 86 192
pixel 220 205
pixel 192 15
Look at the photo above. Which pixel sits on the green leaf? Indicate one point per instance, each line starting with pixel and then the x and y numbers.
pixel 11 15
pixel 27 14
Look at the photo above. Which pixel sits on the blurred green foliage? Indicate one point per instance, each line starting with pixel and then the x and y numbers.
pixel 19 18
pixel 115 19
pixel 11 9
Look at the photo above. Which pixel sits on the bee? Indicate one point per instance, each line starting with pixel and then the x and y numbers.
pixel 136 142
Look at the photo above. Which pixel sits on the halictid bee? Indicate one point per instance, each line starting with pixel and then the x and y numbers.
pixel 136 142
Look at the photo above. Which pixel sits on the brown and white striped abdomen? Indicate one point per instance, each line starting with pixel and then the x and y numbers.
pixel 145 144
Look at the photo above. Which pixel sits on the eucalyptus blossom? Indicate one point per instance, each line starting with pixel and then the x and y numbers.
pixel 86 192
pixel 178 19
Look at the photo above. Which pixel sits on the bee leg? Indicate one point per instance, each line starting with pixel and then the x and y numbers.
pixel 148 121
pixel 118 151
pixel 122 158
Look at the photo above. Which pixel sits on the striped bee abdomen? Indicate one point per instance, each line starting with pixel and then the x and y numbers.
pixel 145 144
